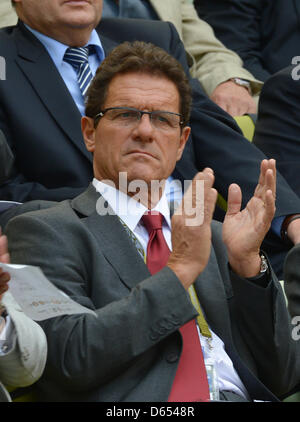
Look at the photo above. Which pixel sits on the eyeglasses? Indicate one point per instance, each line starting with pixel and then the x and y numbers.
pixel 128 116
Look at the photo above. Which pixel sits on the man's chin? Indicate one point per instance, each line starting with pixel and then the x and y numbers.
pixel 145 175
pixel 80 17
pixel 76 20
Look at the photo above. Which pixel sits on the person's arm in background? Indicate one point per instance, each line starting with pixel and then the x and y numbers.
pixel 215 66
pixel 237 24
pixel 14 186
pixel 23 346
pixel 277 135
pixel 7 14
pixel 4 276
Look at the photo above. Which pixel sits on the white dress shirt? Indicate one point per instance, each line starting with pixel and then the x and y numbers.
pixel 131 212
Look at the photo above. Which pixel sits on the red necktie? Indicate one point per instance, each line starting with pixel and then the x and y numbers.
pixel 190 382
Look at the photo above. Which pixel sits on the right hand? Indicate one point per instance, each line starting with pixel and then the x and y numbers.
pixel 234 99
pixel 191 235
pixel 4 258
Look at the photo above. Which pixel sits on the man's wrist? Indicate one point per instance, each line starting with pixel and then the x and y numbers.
pixel 246 268
pixel 284 229
pixel 242 82
pixel 183 276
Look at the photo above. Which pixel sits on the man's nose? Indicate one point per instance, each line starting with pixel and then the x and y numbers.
pixel 144 128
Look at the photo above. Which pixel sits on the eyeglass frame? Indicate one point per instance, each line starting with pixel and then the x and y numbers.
pixel 142 112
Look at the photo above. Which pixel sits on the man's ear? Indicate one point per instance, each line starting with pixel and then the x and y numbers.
pixel 88 132
pixel 183 140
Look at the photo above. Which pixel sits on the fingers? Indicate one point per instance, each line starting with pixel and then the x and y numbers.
pixel 4 255
pixel 199 200
pixel 191 231
pixel 271 177
pixel 268 167
pixel 204 197
pixel 4 279
pixel 234 99
pixel 265 191
pixel 234 200
pixel 269 205
pixel 267 179
pixel 210 196
pixel 4 258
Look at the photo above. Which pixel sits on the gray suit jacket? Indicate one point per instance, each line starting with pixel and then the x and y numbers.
pixel 130 350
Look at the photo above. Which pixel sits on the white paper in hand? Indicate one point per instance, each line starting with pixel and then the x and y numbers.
pixel 37 296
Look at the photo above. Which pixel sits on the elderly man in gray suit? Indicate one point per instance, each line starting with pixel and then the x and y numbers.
pixel 147 285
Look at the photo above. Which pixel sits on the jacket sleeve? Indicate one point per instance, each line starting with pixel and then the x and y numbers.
pixel 265 325
pixel 259 317
pixel 213 62
pixel 25 362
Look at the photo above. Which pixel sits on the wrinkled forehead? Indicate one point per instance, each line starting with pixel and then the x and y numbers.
pixel 143 91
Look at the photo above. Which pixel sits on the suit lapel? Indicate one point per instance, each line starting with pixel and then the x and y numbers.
pixel 112 239
pixel 46 81
pixel 107 43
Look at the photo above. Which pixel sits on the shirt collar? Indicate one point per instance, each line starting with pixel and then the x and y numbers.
pixel 127 208
pixel 57 50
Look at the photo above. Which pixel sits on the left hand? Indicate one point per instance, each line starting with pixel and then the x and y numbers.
pixel 244 231
pixel 234 99
pixel 4 258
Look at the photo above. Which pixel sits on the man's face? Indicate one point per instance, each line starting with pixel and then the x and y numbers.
pixel 140 149
pixel 50 17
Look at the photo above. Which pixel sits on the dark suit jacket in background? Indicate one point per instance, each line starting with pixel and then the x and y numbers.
pixel 6 159
pixel 292 285
pixel 277 131
pixel 265 33
pixel 130 351
pixel 42 125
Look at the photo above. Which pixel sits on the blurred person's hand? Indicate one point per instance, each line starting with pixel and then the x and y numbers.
pixel 234 99
pixel 4 258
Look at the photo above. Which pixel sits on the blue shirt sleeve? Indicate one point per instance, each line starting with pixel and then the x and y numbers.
pixel 276 225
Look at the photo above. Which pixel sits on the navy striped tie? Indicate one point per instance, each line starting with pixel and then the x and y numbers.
pixel 78 58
